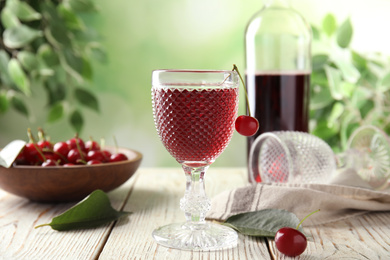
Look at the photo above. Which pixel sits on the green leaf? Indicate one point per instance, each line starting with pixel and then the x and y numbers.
pixel 334 78
pixel 360 97
pixel 18 105
pixel 263 223
pixel 320 98
pixel 4 103
pixel 47 55
pixel 348 70
pixel 28 60
pixel 366 107
pixel 344 34
pixel 72 21
pixel 56 112
pixel 347 89
pixel 77 66
pixel 18 76
pixel 94 211
pixel 19 36
pixel 337 111
pixel 319 61
pixel 323 130
pixel 57 35
pixel 97 53
pixel 86 98
pixel 4 75
pixel 359 61
pixel 56 91
pixel 319 78
pixel 9 19
pixel 80 6
pixel 329 24
pixel 316 32
pixel 23 10
pixel 76 121
pixel 386 80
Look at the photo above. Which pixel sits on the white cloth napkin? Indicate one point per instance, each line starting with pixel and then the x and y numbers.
pixel 345 196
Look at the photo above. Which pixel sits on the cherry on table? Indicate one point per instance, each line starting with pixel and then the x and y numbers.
pixel 290 241
pixel 246 125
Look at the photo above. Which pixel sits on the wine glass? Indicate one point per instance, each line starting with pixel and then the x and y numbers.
pixel 298 157
pixel 194 113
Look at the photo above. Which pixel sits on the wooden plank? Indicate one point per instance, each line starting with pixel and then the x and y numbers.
pixel 155 202
pixel 20 240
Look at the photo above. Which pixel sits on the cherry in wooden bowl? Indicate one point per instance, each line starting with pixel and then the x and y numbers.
pixel 66 184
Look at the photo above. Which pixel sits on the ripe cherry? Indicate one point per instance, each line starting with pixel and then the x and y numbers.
pixel 246 125
pixel 76 142
pixel 61 148
pixel 93 162
pixel 107 154
pixel 117 157
pixel 96 155
pixel 45 144
pixel 32 154
pixel 75 156
pixel 49 162
pixel 290 241
pixel 92 145
pixel 69 164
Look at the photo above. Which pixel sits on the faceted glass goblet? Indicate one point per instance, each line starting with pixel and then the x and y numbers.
pixel 194 113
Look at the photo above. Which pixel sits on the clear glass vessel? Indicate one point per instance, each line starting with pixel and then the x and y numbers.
pixel 194 113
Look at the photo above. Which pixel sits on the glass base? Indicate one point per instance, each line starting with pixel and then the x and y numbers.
pixel 195 236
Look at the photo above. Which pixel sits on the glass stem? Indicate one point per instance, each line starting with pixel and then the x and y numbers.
pixel 195 203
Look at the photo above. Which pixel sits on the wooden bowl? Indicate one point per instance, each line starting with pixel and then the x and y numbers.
pixel 65 184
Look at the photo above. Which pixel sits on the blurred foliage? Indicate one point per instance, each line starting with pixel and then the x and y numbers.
pixel 45 43
pixel 348 88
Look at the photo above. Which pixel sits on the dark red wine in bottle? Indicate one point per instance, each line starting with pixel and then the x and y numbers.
pixel 280 101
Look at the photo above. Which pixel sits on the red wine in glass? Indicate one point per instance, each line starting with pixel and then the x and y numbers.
pixel 195 125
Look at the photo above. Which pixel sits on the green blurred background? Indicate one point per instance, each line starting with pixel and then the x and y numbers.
pixel 140 36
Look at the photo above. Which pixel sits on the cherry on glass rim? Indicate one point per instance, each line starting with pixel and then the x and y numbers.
pixel 246 125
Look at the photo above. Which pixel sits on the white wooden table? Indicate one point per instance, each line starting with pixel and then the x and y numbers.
pixel 153 196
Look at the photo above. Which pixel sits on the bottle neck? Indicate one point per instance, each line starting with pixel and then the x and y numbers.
pixel 277 3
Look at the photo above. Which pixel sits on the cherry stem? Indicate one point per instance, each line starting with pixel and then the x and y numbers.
pixel 307 217
pixel 246 93
pixel 116 144
pixel 32 139
pixel 78 147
